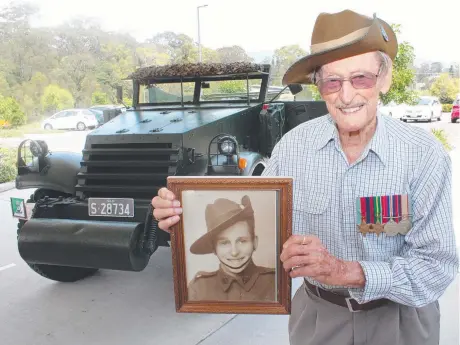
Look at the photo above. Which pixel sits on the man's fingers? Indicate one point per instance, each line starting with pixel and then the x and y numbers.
pixel 161 213
pixel 312 271
pixel 167 223
pixel 295 250
pixel 300 239
pixel 302 260
pixel 159 202
pixel 166 194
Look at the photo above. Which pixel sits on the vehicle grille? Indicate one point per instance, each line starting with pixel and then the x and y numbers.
pixel 126 170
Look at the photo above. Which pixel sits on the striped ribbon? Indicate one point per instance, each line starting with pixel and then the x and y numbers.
pixel 380 209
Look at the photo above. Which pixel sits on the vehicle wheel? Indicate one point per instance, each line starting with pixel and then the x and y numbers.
pixel 63 274
pixel 81 126
pixel 453 120
pixel 48 127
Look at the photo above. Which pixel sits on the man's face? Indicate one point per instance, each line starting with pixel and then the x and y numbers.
pixel 354 109
pixel 234 247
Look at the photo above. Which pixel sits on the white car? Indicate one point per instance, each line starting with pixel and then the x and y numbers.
pixel 392 109
pixel 427 108
pixel 80 119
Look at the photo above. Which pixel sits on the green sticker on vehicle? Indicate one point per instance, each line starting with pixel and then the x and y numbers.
pixel 18 207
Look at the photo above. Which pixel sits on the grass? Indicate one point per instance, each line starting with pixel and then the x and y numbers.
pixel 8 169
pixel 442 137
pixel 30 128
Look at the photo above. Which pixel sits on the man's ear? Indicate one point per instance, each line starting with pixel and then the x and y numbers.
pixel 256 242
pixel 386 80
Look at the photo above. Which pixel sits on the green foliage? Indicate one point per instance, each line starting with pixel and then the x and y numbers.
pixel 316 96
pixel 99 98
pixel 446 88
pixel 232 86
pixel 8 170
pixel 283 58
pixel 55 98
pixel 442 137
pixel 447 108
pixel 10 112
pixel 403 74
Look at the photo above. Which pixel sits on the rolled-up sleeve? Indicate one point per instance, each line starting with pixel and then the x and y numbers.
pixel 429 260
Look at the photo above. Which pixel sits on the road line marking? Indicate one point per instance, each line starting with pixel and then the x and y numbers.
pixel 2 268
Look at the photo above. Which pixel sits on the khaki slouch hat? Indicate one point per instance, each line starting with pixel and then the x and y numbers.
pixel 340 35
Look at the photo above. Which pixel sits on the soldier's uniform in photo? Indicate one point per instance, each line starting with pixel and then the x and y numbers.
pixel 254 283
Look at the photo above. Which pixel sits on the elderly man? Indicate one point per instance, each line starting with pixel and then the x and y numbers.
pixel 231 236
pixel 374 240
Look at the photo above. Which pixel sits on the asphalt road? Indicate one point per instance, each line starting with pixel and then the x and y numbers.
pixel 120 308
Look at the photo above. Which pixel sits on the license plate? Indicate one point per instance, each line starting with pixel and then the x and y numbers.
pixel 111 207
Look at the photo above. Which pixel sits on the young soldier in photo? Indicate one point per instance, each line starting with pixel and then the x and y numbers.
pixel 231 237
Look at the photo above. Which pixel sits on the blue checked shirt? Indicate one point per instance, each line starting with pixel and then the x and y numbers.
pixel 412 269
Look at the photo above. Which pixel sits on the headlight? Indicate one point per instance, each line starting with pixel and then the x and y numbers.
pixel 227 146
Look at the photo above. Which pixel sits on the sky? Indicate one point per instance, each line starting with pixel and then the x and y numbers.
pixel 261 26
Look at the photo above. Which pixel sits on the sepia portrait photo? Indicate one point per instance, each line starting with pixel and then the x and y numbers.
pixel 231 245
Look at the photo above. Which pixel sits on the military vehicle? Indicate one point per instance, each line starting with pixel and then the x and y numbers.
pixel 92 210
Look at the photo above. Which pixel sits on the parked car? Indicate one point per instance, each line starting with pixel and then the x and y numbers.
pixel 122 108
pixel 393 109
pixel 455 113
pixel 80 119
pixel 426 109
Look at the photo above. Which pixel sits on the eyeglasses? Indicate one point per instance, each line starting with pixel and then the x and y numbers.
pixel 361 81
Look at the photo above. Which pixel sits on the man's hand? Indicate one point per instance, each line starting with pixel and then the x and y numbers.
pixel 305 256
pixel 166 209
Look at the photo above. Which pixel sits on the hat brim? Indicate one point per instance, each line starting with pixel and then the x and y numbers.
pixel 369 40
pixel 204 244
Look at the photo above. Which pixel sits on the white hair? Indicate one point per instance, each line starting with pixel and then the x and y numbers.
pixel 385 62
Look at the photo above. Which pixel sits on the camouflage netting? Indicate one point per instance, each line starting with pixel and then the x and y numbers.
pixel 194 69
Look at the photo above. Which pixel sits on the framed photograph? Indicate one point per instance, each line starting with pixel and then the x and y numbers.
pixel 226 247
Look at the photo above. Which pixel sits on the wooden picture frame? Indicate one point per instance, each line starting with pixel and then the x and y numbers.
pixel 200 264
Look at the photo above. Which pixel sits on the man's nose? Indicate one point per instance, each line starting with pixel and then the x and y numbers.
pixel 347 92
pixel 235 249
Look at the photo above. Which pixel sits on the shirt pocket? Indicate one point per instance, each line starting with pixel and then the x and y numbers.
pixel 311 208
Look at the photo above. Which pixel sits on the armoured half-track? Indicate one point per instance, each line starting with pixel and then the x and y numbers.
pixel 92 210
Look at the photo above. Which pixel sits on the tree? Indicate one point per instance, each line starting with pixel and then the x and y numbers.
pixel 233 54
pixel 283 58
pixel 55 98
pixel 10 112
pixel 446 88
pixel 403 74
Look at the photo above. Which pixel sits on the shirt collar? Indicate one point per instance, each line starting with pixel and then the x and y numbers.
pixel 378 143
pixel 245 279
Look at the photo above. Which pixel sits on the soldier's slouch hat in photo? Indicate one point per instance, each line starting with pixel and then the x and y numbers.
pixel 219 216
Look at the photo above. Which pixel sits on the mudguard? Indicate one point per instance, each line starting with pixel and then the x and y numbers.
pixel 256 163
pixel 59 173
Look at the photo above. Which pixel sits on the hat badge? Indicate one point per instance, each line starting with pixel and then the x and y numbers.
pixel 384 33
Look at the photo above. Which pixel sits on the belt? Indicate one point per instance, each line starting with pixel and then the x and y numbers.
pixel 343 301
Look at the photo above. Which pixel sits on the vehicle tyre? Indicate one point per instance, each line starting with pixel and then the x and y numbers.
pixel 48 127
pixel 81 126
pixel 63 274
pixel 453 120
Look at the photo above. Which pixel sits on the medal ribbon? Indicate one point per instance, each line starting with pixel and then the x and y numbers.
pixel 405 206
pixel 386 208
pixel 377 210
pixel 395 208
pixel 363 209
